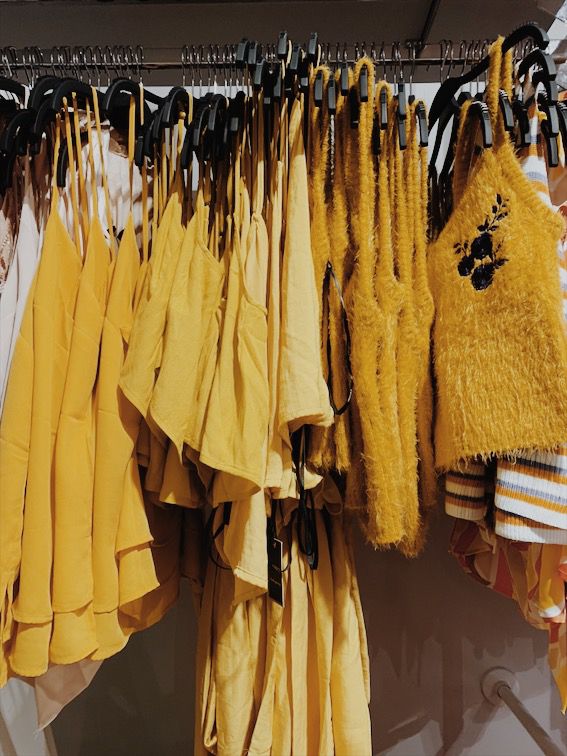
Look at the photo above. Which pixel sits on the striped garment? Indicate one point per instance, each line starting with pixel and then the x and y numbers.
pixel 532 574
pixel 531 491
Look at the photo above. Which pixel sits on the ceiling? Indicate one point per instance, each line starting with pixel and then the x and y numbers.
pixel 166 24
pixel 162 28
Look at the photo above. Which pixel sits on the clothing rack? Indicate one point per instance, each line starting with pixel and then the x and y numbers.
pixel 400 58
pixel 499 685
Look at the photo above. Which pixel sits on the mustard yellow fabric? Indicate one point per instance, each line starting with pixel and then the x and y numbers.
pixel 74 632
pixel 274 680
pixel 194 300
pixel 408 365
pixel 304 398
pixel 337 219
pixel 53 310
pixel 15 429
pixel 424 314
pixel 322 451
pixel 236 425
pixel 509 392
pixel 116 479
pixel 144 354
pixel 274 463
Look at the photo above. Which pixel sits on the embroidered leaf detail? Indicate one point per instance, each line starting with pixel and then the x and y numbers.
pixel 499 199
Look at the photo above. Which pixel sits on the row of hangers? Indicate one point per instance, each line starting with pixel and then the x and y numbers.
pixel 278 71
pixel 540 65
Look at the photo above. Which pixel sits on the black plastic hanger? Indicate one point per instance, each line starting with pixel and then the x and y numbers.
pixel 480 111
pixel 332 95
pixel 506 110
pixel 550 110
pixel 13 87
pixel 176 100
pixel 344 78
pixel 448 162
pixel 15 130
pixel 67 88
pixel 143 145
pixel 283 46
pixel 451 112
pixel 383 109
pixel 551 144
pixel 318 90
pixel 401 115
pixel 423 129
pixel 43 86
pixel 521 120
pixel 539 58
pixel 354 107
pixel 363 84
pixel 562 113
pixel 195 132
pixel 451 86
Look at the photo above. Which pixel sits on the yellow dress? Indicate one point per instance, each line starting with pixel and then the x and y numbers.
pixel 74 631
pixel 130 590
pixel 144 354
pixel 195 298
pixel 15 429
pixel 274 464
pixel 53 310
pixel 236 423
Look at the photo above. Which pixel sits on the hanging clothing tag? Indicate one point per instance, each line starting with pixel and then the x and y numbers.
pixel 275 570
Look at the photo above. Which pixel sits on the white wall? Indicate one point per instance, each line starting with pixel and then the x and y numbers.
pixel 432 632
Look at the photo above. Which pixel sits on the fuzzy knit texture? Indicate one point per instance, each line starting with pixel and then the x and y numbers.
pixel 408 354
pixel 355 491
pixel 500 348
pixel 385 506
pixel 337 219
pixel 425 313
pixel 322 452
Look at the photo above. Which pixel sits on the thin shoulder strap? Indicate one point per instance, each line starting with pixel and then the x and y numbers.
pixel 73 175
pixel 92 170
pixel 83 200
pixel 109 221
pixel 144 171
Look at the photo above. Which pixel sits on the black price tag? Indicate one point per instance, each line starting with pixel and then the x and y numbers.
pixel 275 570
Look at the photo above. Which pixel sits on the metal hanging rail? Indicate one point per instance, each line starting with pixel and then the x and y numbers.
pixel 401 57
pixel 500 686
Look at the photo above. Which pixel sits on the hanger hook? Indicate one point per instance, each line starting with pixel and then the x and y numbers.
pixel 442 58
pixel 382 58
pixel 451 58
pixel 184 56
pixel 74 62
pixel 411 45
pixel 373 51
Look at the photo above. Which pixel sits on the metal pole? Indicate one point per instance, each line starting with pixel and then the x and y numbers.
pixel 499 685
pixel 530 725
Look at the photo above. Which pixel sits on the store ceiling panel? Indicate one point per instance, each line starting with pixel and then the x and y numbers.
pixel 169 25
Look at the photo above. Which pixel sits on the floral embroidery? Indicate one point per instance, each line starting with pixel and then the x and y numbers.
pixel 479 258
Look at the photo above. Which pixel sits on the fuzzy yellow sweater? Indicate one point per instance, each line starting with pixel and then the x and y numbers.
pixel 500 346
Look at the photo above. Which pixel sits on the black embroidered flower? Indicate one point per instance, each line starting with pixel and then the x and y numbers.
pixel 466 265
pixel 482 246
pixel 479 258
